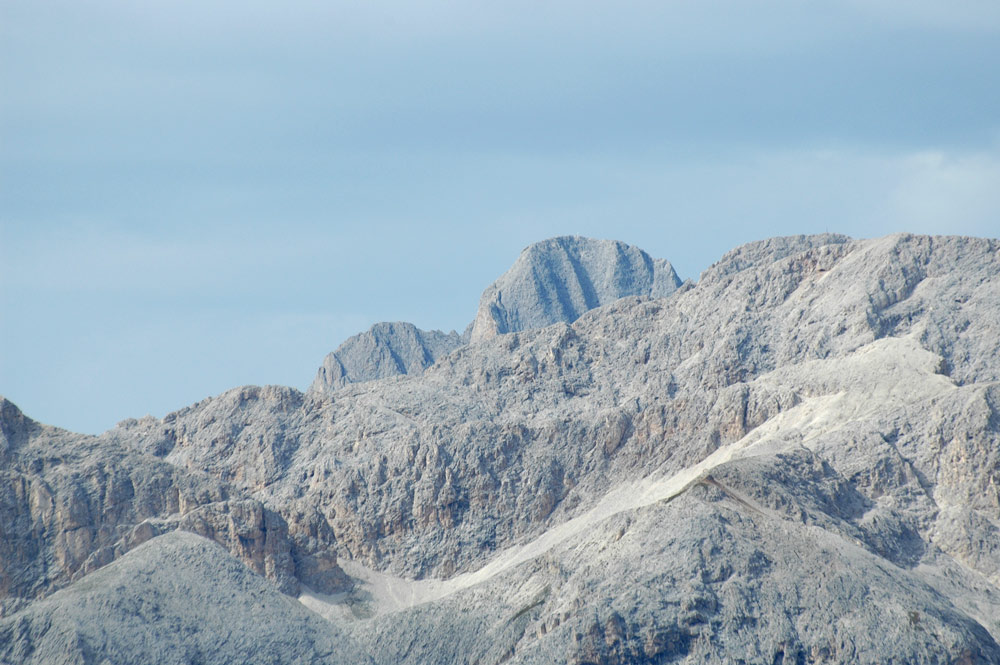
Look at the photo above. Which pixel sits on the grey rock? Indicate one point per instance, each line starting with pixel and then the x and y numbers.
pixel 71 503
pixel 559 279
pixel 385 350
pixel 533 426
pixel 524 430
pixel 178 598
pixel 553 281
pixel 742 577
pixel 796 459
pixel 764 252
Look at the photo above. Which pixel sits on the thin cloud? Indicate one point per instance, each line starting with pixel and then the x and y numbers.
pixel 168 167
pixel 938 190
pixel 977 16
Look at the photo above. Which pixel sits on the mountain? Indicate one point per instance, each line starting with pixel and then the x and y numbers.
pixel 177 599
pixel 552 281
pixel 795 459
pixel 71 503
pixel 386 349
pixel 559 279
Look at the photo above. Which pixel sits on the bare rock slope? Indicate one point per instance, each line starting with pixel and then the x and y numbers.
pixel 175 599
pixel 796 459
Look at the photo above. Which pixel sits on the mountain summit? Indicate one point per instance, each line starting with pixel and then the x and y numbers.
pixel 559 279
pixel 553 281
pixel 386 349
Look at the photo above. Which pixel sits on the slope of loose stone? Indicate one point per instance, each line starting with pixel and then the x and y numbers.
pixel 178 598
pixel 725 570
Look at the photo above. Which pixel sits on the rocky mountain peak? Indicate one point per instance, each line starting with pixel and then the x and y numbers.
pixel 552 281
pixel 384 350
pixel 14 427
pixel 561 278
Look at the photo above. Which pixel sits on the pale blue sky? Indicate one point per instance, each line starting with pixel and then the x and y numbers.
pixel 198 195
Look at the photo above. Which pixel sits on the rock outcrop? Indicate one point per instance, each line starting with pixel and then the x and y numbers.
pixel 386 349
pixel 796 459
pixel 72 503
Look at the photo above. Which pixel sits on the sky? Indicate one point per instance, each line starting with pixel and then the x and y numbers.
pixel 200 195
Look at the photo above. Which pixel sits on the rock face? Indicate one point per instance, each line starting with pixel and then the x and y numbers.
pixel 559 279
pixel 796 459
pixel 386 349
pixel 71 503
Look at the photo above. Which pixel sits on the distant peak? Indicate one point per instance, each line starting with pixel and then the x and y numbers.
pixel 558 279
pixel 385 350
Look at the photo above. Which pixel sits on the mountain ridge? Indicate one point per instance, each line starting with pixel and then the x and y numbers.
pixel 787 460
pixel 555 280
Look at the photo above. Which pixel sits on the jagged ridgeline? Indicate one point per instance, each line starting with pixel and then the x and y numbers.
pixel 795 459
pixel 552 281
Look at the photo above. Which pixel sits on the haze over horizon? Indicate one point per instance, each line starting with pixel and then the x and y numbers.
pixel 192 199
